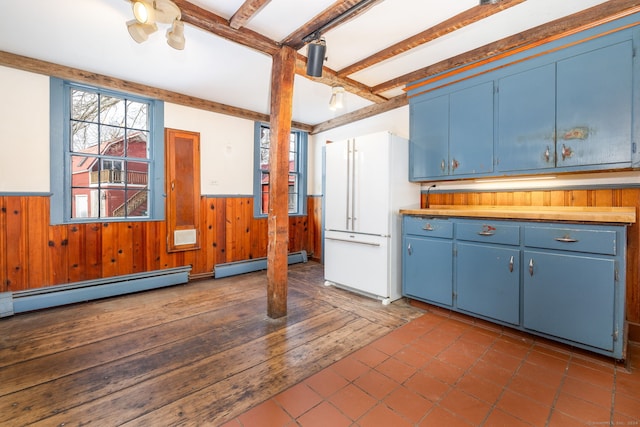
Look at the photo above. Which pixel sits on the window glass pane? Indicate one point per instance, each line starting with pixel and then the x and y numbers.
pixel 81 171
pixel 112 111
pixel 113 202
pixel 264 159
pixel 264 137
pixel 84 106
pixel 293 162
pixel 137 115
pixel 112 141
pixel 137 174
pixel 137 144
pixel 137 203
pixel 84 203
pixel 84 137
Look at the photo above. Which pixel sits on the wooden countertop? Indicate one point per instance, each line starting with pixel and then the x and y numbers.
pixel 623 215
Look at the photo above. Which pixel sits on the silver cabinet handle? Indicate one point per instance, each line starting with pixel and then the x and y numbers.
pixel 409 249
pixel 511 264
pixel 486 233
pixel 428 227
pixel 547 154
pixel 566 239
pixel 531 266
pixel 566 152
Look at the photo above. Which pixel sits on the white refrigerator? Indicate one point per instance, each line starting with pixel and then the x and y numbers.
pixel 366 183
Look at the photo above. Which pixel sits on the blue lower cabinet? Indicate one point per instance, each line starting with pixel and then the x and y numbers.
pixel 562 281
pixel 488 281
pixel 571 297
pixel 428 269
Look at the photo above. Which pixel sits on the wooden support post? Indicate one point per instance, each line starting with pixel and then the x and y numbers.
pixel 282 75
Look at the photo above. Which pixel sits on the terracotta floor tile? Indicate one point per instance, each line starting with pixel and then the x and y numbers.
pixel 352 401
pixel 326 382
pixel 391 343
pixel 324 415
pixel 549 359
pixel 598 376
pixel 490 371
pixel 461 354
pixel 536 390
pixel 540 373
pixel 298 399
pixel 499 418
pixel 396 370
pixel 376 384
pixel 408 404
pixel 480 388
pixel 627 384
pixel 628 405
pixel 412 357
pixel 480 336
pixel 370 356
pixel 524 408
pixel 466 406
pixel 350 368
pixel 512 346
pixel 441 417
pixel 501 359
pixel 427 386
pixel 589 392
pixel 582 410
pixel 232 423
pixel 443 371
pixel 382 416
pixel 558 419
pixel 430 348
pixel 267 414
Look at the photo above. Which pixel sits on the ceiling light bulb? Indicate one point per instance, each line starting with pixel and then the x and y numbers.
pixel 143 12
pixel 175 35
pixel 337 98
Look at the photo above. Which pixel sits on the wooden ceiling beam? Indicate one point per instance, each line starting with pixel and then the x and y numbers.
pixel 247 11
pixel 588 18
pixel 339 8
pixel 216 24
pixel 450 25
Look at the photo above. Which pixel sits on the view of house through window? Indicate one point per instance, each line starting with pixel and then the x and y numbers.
pixel 108 155
pixel 297 193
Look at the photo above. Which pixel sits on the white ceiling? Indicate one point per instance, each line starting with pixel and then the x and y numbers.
pixel 92 35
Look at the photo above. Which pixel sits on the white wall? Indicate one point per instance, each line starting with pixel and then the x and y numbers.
pixel 395 121
pixel 24 132
pixel 226 148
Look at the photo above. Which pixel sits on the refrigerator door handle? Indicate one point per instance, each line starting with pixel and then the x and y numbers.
pixel 353 241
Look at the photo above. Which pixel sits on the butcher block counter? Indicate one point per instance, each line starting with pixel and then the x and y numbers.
pixel 620 215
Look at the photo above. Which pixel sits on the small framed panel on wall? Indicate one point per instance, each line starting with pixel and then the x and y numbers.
pixel 182 157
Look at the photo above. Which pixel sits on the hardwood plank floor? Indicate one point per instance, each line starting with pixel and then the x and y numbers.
pixel 195 354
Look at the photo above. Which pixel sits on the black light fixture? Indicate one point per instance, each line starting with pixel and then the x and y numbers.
pixel 315 57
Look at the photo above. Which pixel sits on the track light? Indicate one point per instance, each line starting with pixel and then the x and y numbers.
pixel 315 57
pixel 148 12
pixel 337 98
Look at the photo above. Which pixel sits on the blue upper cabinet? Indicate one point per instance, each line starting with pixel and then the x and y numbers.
pixel 526 120
pixel 570 105
pixel 594 107
pixel 452 134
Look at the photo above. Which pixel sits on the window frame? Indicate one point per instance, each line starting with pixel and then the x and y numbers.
pixel 60 155
pixel 302 139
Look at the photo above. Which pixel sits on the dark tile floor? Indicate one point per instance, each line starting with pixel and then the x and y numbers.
pixel 449 370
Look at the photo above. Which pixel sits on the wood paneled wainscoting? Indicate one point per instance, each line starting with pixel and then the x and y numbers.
pixel 35 254
pixel 583 197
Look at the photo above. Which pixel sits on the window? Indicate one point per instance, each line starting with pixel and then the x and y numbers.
pixel 106 155
pixel 297 171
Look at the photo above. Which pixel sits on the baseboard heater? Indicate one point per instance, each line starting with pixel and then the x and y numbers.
pixel 256 264
pixel 53 296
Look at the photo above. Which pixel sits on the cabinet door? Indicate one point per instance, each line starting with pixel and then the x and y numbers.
pixel 428 269
pixel 488 281
pixel 429 145
pixel 570 296
pixel 471 130
pixel 594 107
pixel 526 120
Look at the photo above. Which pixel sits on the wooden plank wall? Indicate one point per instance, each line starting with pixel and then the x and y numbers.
pixel 34 254
pixel 598 198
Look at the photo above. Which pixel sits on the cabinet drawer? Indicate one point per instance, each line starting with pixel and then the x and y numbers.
pixel 571 239
pixel 428 227
pixel 489 232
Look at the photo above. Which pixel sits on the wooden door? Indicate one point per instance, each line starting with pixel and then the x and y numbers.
pixel 182 171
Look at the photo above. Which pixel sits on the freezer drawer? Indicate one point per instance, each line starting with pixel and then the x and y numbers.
pixel 359 262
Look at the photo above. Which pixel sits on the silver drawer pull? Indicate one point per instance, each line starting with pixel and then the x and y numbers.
pixel 428 227
pixel 531 266
pixel 409 249
pixel 486 233
pixel 511 264
pixel 566 239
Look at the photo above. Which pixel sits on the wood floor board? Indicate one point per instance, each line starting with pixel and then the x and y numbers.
pixel 194 354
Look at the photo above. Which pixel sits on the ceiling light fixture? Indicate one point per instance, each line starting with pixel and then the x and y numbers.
pixel 337 98
pixel 315 57
pixel 482 2
pixel 148 12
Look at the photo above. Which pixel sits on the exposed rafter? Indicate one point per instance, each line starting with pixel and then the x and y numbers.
pixel 247 11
